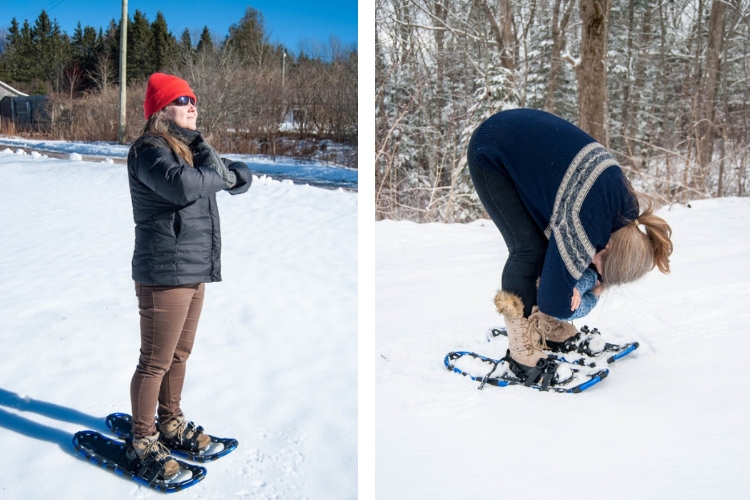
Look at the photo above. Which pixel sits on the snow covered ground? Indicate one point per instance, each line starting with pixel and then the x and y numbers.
pixel 275 361
pixel 299 171
pixel 670 421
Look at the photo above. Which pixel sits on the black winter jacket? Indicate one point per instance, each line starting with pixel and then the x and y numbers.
pixel 177 231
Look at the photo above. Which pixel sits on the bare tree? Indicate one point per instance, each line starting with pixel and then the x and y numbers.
pixel 73 77
pixel 592 70
pixel 104 72
pixel 710 82
pixel 559 26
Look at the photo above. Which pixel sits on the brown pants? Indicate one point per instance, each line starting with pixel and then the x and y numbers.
pixel 169 320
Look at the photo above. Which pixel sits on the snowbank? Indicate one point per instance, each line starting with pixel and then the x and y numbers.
pixel 299 171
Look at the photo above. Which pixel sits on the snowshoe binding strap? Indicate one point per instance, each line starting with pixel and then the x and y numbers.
pixel 186 437
pixel 486 377
pixel 151 469
pixel 544 369
pixel 569 345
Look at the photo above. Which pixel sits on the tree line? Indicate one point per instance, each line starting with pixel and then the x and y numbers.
pixel 664 84
pixel 244 82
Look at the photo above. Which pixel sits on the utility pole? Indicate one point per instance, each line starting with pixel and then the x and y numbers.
pixel 123 70
pixel 283 65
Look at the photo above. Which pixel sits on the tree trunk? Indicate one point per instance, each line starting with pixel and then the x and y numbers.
pixel 502 32
pixel 625 118
pixel 709 88
pixel 558 45
pixel 591 72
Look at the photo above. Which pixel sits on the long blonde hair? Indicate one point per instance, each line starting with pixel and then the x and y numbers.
pixel 633 252
pixel 158 124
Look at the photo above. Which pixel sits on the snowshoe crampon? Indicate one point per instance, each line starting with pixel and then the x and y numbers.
pixel 111 454
pixel 122 425
pixel 549 375
pixel 586 348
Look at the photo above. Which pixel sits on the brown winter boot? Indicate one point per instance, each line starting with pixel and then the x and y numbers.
pixel 524 340
pixel 180 434
pixel 149 448
pixel 525 357
pixel 552 328
pixel 563 336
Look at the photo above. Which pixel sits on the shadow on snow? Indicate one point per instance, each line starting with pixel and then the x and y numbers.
pixel 26 427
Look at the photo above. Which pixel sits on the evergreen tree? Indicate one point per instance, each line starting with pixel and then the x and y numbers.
pixel 140 62
pixel 60 60
pixel 86 46
pixel 163 45
pixel 111 46
pixel 24 67
pixel 13 53
pixel 42 47
pixel 205 44
pixel 250 40
pixel 185 46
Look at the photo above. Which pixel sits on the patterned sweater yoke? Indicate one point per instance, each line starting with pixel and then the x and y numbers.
pixel 565 224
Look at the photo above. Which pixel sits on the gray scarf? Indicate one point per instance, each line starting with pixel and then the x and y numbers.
pixel 203 154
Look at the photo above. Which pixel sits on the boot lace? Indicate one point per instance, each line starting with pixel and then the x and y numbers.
pixel 157 450
pixel 531 342
pixel 186 436
pixel 537 322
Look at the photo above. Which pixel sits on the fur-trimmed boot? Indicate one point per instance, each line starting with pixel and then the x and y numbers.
pixel 563 336
pixel 180 434
pixel 526 358
pixel 524 340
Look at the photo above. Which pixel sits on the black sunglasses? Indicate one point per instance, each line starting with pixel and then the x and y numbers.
pixel 183 101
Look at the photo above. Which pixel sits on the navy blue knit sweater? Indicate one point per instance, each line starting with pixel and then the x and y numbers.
pixel 571 185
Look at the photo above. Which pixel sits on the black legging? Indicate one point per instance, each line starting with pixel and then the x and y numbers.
pixel 527 244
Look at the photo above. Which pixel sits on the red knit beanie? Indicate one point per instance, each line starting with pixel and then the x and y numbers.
pixel 163 89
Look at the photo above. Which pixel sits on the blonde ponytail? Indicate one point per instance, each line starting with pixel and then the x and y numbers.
pixel 659 234
pixel 632 252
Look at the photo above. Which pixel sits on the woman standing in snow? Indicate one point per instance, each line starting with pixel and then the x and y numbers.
pixel 571 222
pixel 174 176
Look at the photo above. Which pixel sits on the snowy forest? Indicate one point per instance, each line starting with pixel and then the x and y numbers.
pixel 663 84
pixel 245 83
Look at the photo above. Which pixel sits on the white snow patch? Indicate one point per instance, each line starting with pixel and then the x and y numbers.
pixel 75 157
pixel 596 343
pixel 563 372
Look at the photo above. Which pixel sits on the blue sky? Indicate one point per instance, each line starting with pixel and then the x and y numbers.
pixel 288 21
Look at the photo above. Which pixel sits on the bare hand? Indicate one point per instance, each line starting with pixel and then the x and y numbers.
pixel 576 300
pixel 597 290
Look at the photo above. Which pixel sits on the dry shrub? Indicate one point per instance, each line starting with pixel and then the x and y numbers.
pixel 95 116
pixel 236 118
pixel 8 127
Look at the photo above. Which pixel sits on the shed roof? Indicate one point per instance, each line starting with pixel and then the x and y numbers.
pixel 6 89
